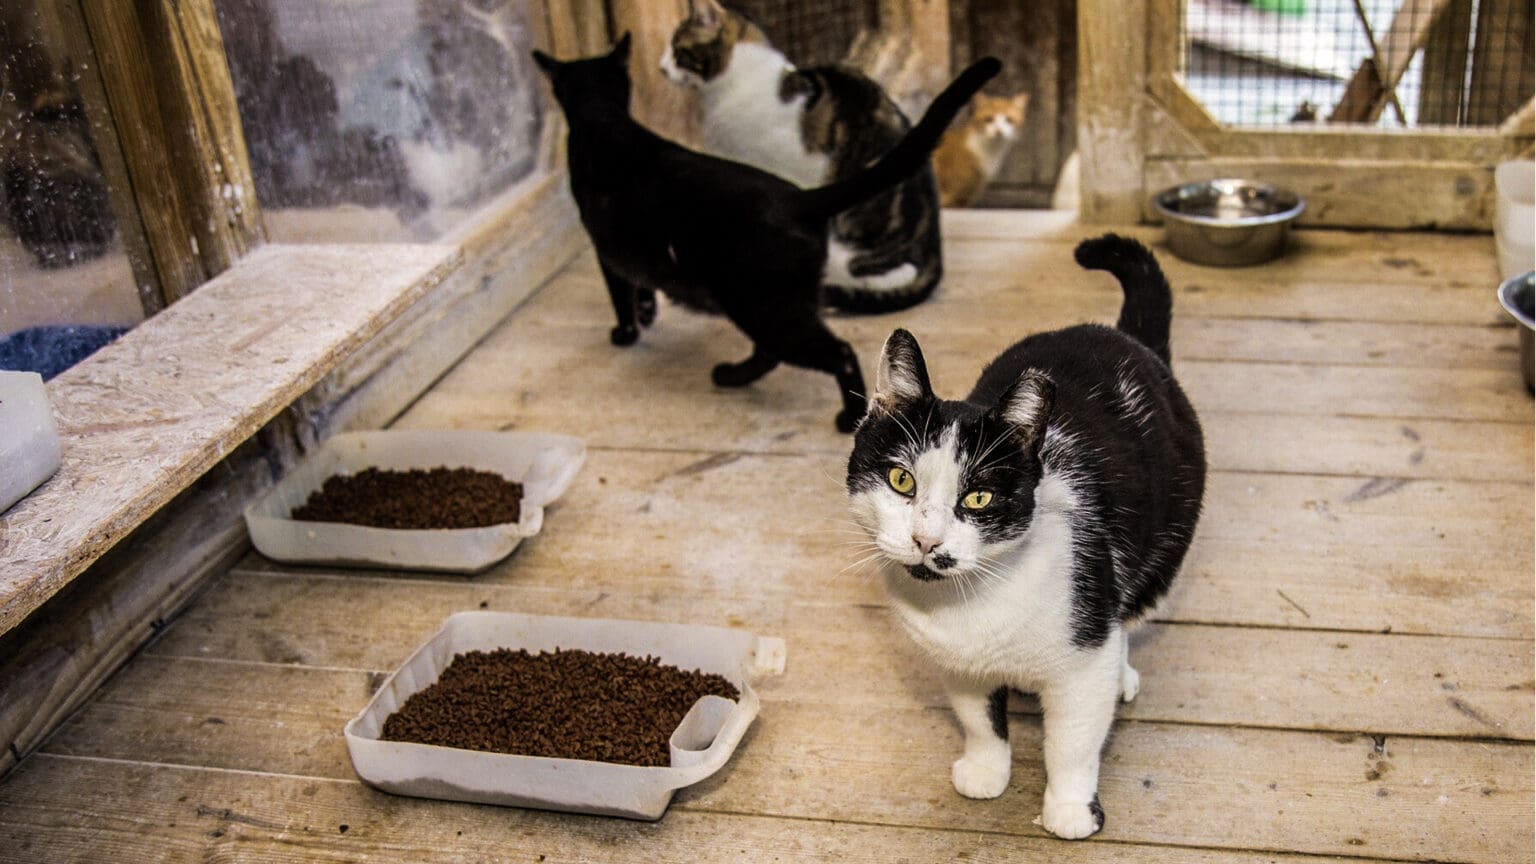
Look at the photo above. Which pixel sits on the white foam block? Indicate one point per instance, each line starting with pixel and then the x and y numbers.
pixel 29 439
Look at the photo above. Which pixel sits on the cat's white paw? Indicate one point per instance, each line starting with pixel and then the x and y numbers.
pixel 1071 820
pixel 978 778
pixel 1130 683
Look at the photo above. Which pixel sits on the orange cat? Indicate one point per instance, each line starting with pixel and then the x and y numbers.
pixel 969 156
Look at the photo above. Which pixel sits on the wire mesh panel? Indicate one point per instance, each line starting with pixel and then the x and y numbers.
pixel 1393 63
pixel 811 33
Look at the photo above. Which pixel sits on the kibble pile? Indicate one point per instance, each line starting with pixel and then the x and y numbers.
pixel 416 499
pixel 565 704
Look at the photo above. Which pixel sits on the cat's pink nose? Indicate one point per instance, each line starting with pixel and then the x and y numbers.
pixel 925 543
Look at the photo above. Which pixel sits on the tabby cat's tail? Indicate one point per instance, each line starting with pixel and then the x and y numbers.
pixel 1148 309
pixel 910 153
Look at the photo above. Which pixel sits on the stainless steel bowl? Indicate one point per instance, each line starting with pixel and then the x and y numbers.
pixel 1518 297
pixel 1227 223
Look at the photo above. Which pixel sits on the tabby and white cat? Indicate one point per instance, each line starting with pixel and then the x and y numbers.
pixel 1023 528
pixel 719 236
pixel 970 155
pixel 814 126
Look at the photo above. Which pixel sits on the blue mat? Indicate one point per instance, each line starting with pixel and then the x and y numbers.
pixel 49 350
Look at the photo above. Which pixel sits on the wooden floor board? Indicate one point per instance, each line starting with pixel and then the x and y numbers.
pixel 1438 557
pixel 802 757
pixel 1377 683
pixel 1344 671
pixel 78 810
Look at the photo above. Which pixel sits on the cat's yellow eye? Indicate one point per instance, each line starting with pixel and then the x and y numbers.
pixel 976 500
pixel 901 480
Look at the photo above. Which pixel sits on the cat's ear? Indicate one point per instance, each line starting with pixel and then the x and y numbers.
pixel 901 378
pixel 706 12
pixel 546 63
pixel 1026 407
pixel 620 52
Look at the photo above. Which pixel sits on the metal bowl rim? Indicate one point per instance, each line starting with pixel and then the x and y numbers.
pixel 1507 297
pixel 1173 192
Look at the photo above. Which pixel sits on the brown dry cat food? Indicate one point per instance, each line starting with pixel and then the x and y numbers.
pixel 415 499
pixel 567 704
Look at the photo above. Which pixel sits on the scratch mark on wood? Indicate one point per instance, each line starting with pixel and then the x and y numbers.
pixel 1293 603
pixel 1469 711
pixel 1375 488
pixel 124 426
pixel 719 460
pixel 228 815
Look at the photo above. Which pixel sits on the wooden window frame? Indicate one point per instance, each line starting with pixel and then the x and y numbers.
pixel 1140 131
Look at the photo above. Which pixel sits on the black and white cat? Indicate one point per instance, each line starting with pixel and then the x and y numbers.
pixel 719 236
pixel 1023 528
pixel 814 126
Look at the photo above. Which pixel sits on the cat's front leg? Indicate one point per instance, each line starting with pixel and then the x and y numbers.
pixel 645 306
pixel 625 297
pixel 983 770
pixel 1079 709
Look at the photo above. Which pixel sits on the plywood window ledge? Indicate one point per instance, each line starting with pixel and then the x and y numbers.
pixel 144 417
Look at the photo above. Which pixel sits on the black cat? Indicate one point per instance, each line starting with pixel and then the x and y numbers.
pixel 1025 528
pixel 718 236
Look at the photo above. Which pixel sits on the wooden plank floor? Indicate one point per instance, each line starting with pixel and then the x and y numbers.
pixel 1344 673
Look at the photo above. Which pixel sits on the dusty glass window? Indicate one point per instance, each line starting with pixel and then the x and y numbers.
pixel 65 282
pixel 381 120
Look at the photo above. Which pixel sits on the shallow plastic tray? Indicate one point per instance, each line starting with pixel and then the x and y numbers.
pixel 702 744
pixel 544 464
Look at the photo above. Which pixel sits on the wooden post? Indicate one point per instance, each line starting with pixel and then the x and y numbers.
pixel 173 103
pixel 671 111
pixel 86 72
pixel 1502 61
pixel 922 26
pixel 1442 97
pixel 1111 88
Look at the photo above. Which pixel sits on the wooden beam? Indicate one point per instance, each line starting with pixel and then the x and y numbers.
pixel 169 91
pixel 1375 83
pixel 1359 193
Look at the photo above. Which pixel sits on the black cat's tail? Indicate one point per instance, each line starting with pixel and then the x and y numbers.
pixel 1148 309
pixel 910 153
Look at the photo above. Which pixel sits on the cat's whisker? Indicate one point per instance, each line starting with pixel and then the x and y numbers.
pixel 867 559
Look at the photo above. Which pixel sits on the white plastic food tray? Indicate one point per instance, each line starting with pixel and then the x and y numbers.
pixel 701 745
pixel 544 464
